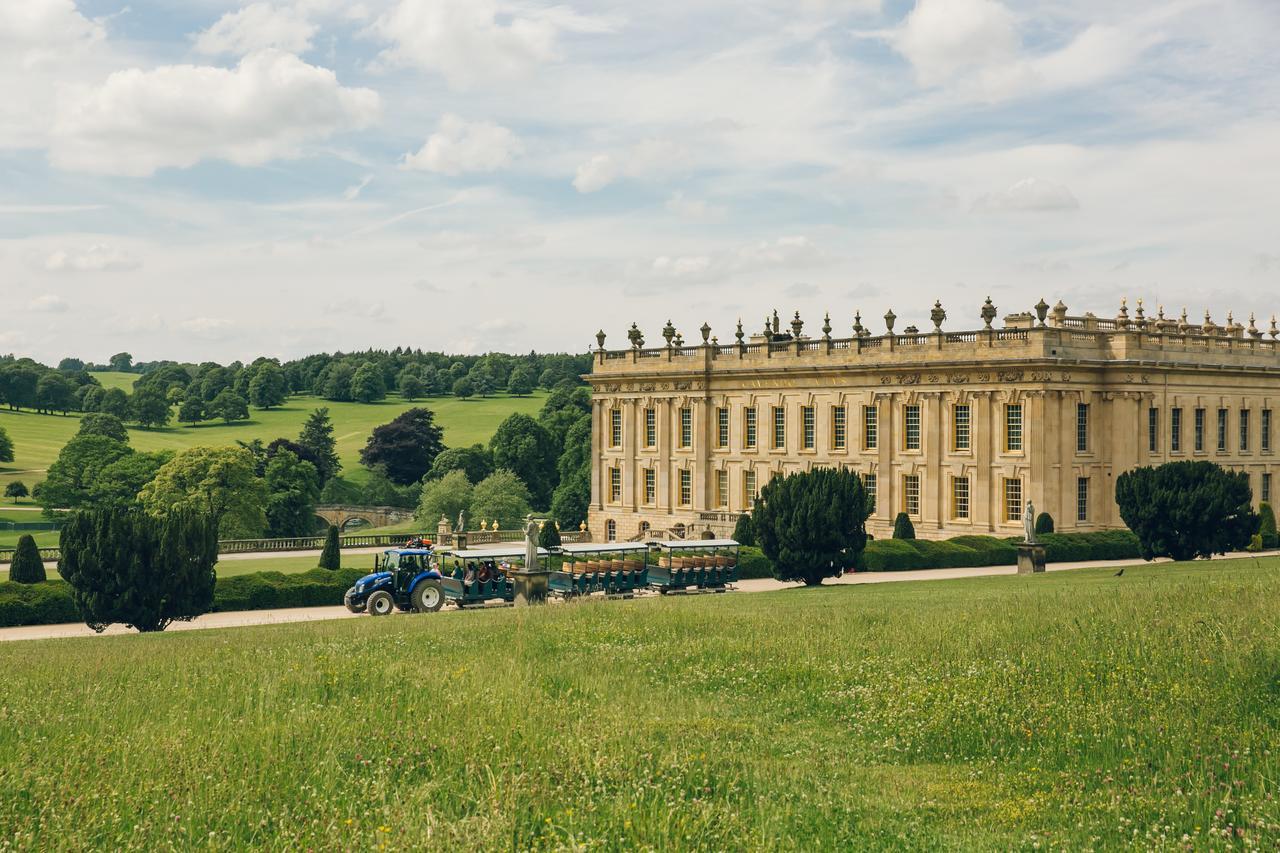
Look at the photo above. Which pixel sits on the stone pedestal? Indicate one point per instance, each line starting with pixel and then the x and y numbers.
pixel 1030 558
pixel 531 587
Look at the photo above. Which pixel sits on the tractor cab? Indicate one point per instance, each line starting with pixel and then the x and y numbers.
pixel 404 578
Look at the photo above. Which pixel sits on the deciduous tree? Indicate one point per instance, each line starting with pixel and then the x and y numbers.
pixel 446 497
pixel 217 481
pixel 100 423
pixel 72 475
pixel 502 496
pixel 367 385
pixel 150 406
pixel 475 460
pixel 572 496
pixel 268 387
pixel 293 487
pixel 6 446
pixel 16 490
pixel 524 447
pixel 229 406
pixel 406 447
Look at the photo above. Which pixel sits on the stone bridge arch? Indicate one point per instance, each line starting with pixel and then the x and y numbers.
pixel 373 516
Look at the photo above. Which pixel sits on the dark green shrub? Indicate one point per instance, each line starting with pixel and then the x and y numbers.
pixel 891 555
pixel 127 566
pixel 270 590
pixel 991 550
pixel 331 556
pixel 27 567
pixel 49 603
pixel 1044 523
pixel 742 532
pixel 812 525
pixel 1267 528
pixel 903 528
pixel 946 554
pixel 752 563
pixel 1185 510
pixel 549 535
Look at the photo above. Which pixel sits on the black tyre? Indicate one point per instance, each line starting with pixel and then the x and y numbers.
pixel 428 597
pixel 380 603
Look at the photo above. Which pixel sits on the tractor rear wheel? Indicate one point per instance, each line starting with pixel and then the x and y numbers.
pixel 428 597
pixel 380 603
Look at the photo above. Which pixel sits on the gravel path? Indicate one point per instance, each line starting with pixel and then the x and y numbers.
pixel 312 614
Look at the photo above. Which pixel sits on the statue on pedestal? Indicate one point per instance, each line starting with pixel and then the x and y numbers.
pixel 461 526
pixel 530 544
pixel 1029 523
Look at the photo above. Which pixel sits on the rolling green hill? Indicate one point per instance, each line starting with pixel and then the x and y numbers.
pixel 1068 711
pixel 38 438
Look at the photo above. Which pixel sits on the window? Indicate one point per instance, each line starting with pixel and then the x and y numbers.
pixel 1222 430
pixel 1013 426
pixel 1012 499
pixel 650 428
pixel 1264 439
pixel 1265 497
pixel 722 427
pixel 806 427
pixel 911 427
pixel 1175 430
pixel 870 427
pixel 686 427
pixel 1082 498
pixel 1153 430
pixel 1082 427
pixel 869 486
pixel 960 497
pixel 839 428
pixel 1244 430
pixel 779 427
pixel 611 530
pixel 650 485
pixel 615 427
pixel 645 527
pixel 615 484
pixel 749 493
pixel 722 489
pixel 749 427
pixel 911 494
pixel 686 487
pixel 960 428
pixel 1199 417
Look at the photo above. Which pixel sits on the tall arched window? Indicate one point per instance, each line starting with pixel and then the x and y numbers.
pixel 611 530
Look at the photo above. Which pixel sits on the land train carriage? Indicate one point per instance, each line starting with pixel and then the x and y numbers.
pixel 478 576
pixel 614 568
pixel 688 565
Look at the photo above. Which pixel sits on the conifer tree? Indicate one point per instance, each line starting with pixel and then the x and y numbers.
pixel 27 567
pixel 812 525
pixel 331 556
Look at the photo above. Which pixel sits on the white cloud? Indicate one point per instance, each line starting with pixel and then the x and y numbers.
pixel 766 256
pixel 694 208
pixel 460 146
pixel 270 106
pixel 1029 194
pixel 49 303
pixel 36 31
pixel 472 41
pixel 207 328
pixel 100 257
pixel 942 37
pixel 595 174
pixel 255 27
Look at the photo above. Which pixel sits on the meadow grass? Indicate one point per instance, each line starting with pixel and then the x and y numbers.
pixel 1072 710
pixel 38 438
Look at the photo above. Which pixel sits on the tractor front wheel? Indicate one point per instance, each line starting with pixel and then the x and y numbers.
pixel 380 603
pixel 428 597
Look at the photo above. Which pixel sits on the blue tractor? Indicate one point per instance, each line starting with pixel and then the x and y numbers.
pixel 407 578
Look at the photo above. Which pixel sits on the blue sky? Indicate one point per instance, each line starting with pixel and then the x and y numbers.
pixel 220 179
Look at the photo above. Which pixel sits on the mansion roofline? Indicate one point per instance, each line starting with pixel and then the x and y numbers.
pixel 1047 333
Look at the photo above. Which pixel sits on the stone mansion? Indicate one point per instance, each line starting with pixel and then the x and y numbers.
pixel 957 429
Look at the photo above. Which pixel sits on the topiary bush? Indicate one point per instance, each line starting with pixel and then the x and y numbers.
pixel 892 555
pixel 549 535
pixel 752 563
pixel 991 550
pixel 1044 523
pixel 48 603
pixel 268 590
pixel 331 556
pixel 742 532
pixel 1267 527
pixel 903 528
pixel 812 525
pixel 27 567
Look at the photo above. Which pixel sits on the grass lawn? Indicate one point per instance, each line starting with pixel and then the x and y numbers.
pixel 115 379
pixel 37 438
pixel 1069 711
pixel 225 568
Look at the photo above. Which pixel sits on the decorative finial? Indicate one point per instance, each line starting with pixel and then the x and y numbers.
pixel 600 339
pixel 679 339
pixel 988 313
pixel 937 315
pixel 668 332
pixel 1183 325
pixel 777 327
pixel 635 336
pixel 826 326
pixel 1042 311
pixel 857 324
pixel 1059 313
pixel 739 334
pixel 1253 327
pixel 889 318
pixel 1274 331
pixel 706 332
pixel 796 326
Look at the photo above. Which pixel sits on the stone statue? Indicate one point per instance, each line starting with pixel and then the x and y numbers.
pixel 1029 523
pixel 461 526
pixel 530 544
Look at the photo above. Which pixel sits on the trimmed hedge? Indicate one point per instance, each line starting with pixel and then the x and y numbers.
pixel 50 603
pixel 896 555
pixel 752 563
